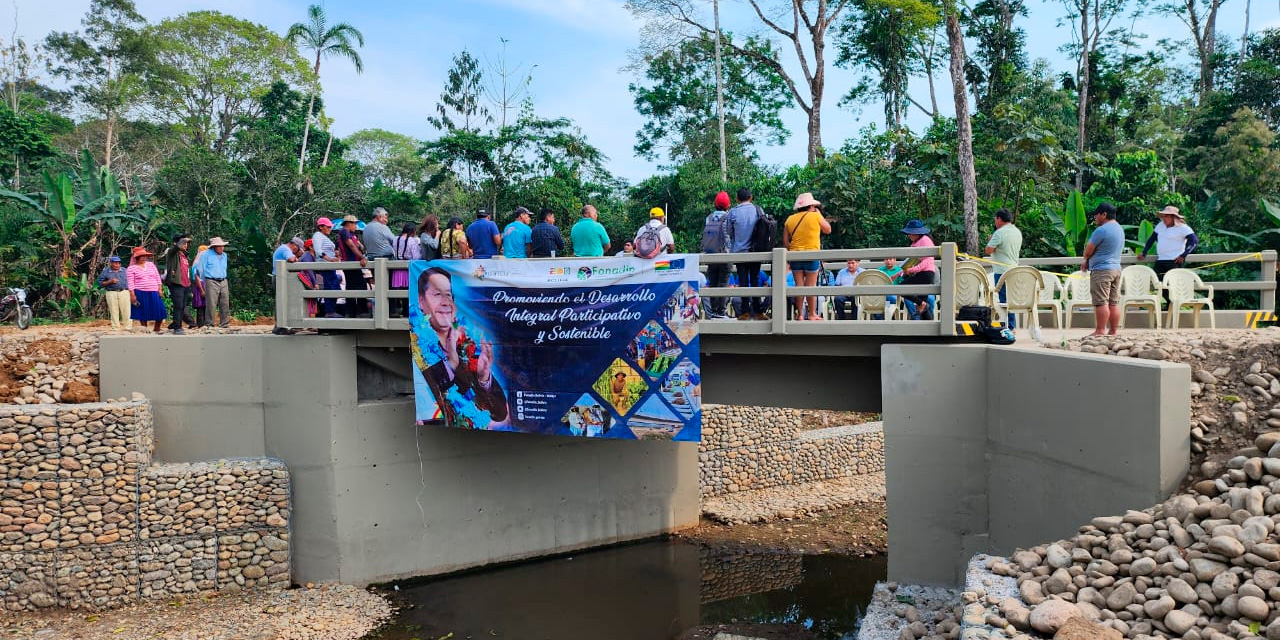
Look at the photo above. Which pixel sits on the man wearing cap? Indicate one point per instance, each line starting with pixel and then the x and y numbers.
pixel 287 252
pixel 484 237
pixel 115 283
pixel 350 250
pixel 657 224
pixel 588 235
pixel 715 239
pixel 545 238
pixel 212 271
pixel 1102 262
pixel 1174 240
pixel 517 237
pixel 177 277
pixel 326 251
pixel 378 237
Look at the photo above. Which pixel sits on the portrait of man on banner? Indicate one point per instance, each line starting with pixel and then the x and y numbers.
pixel 456 362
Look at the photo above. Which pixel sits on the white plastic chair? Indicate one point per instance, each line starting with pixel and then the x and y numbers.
pixel 870 306
pixel 973 286
pixel 1076 294
pixel 1182 285
pixel 1051 297
pixel 1140 288
pixel 1022 296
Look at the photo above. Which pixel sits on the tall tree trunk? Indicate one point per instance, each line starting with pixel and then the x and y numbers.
pixel 327 147
pixel 306 131
pixel 1082 89
pixel 1244 39
pixel 111 126
pixel 964 130
pixel 724 163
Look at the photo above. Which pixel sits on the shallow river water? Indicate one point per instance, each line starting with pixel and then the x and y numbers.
pixel 647 591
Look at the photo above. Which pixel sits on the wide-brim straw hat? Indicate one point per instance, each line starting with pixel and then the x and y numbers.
pixel 218 242
pixel 139 252
pixel 1172 211
pixel 804 201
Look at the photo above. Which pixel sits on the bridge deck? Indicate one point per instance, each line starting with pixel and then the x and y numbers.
pixel 291 294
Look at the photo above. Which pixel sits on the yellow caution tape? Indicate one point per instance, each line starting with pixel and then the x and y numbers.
pixel 1252 318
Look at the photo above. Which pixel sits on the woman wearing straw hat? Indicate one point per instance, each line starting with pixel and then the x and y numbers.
pixel 1174 240
pixel 144 289
pixel 802 231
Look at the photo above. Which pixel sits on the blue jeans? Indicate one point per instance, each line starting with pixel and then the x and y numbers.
pixel 1001 294
pixel 331 283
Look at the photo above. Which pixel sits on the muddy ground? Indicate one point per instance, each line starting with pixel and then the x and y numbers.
pixel 859 530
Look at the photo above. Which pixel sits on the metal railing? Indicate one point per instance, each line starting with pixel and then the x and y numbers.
pixel 291 294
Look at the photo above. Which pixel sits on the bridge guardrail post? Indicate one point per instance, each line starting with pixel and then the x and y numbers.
pixel 282 295
pixel 778 280
pixel 380 301
pixel 947 297
pixel 1268 274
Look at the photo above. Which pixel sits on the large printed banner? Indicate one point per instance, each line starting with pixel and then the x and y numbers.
pixel 598 348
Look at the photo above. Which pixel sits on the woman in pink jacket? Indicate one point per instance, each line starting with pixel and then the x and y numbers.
pixel 921 270
pixel 144 289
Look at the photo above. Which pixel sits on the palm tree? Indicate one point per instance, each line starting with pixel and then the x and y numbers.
pixel 325 40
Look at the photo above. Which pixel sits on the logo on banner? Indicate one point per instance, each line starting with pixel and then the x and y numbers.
pixel 584 273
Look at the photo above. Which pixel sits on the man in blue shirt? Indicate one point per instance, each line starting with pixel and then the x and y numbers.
pixel 212 271
pixel 517 238
pixel 742 221
pixel 287 252
pixel 845 278
pixel 483 236
pixel 1102 262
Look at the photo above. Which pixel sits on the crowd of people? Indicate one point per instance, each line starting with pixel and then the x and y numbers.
pixel 198 288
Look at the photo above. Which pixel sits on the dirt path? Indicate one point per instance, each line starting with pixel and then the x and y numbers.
pixel 859 530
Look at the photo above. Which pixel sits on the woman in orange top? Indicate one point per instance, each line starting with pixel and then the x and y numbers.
pixel 803 231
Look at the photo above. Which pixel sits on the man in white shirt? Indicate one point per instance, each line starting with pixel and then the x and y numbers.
pixel 1174 240
pixel 845 278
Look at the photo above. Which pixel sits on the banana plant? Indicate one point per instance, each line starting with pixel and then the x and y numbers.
pixel 1072 224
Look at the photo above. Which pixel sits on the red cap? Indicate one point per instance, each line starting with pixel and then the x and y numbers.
pixel 722 200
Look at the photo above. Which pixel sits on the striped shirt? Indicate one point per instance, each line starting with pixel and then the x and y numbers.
pixel 143 277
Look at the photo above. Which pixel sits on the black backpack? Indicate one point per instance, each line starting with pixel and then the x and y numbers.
pixel 981 316
pixel 764 235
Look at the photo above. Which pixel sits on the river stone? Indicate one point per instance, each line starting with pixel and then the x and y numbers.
pixel 1265 441
pixel 1225 584
pixel 1058 582
pixel 1204 377
pixel 1057 557
pixel 1031 592
pixel 1160 607
pixel 1266 579
pixel 1253 608
pixel 1145 566
pixel 1179 622
pixel 1181 591
pixel 1205 569
pixel 1051 615
pixel 1226 546
pixel 1121 597
pixel 1181 506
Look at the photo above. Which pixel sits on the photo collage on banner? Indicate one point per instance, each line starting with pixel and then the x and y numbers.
pixel 594 348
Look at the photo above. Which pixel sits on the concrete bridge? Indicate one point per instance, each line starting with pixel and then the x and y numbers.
pixel 987 447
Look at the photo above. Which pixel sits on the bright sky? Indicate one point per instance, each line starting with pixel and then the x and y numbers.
pixel 579 48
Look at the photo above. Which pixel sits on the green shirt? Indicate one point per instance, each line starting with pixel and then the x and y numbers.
pixel 589 238
pixel 1007 241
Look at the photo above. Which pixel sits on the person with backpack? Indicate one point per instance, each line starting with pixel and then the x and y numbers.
pixel 750 229
pixel 715 239
pixel 803 232
pixel 654 238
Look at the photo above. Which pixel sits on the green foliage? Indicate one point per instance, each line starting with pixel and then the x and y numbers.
pixel 1073 224
pixel 1137 184
pixel 677 99
pixel 886 38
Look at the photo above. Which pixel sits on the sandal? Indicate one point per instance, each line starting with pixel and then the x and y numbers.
pixel 815 318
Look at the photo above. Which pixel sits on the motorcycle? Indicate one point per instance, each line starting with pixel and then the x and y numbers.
pixel 14 304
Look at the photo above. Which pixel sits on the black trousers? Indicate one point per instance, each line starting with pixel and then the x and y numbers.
pixel 717 276
pixel 355 282
pixel 920 277
pixel 180 296
pixel 1163 267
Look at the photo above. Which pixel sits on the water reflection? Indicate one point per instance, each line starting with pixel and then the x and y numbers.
pixel 649 591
